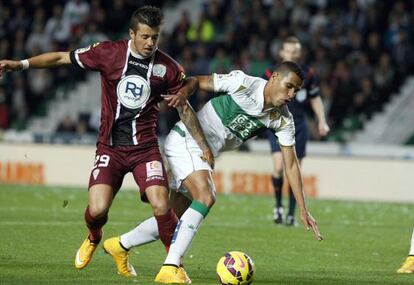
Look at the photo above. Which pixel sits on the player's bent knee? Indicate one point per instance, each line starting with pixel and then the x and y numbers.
pixel 160 210
pixel 207 198
pixel 98 210
pixel 159 207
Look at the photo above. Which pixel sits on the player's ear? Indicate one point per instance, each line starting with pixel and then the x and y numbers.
pixel 131 33
pixel 275 76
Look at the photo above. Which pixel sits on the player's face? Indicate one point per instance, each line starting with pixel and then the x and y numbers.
pixel 290 52
pixel 144 39
pixel 282 88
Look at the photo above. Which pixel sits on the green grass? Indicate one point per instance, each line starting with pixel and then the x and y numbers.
pixel 364 242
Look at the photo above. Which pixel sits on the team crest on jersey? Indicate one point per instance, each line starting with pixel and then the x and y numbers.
pixel 85 49
pixel 182 76
pixel 274 114
pixel 82 50
pixel 159 70
pixel 133 91
pixel 95 173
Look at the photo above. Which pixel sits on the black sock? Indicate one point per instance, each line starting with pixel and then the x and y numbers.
pixel 277 186
pixel 292 203
pixel 120 243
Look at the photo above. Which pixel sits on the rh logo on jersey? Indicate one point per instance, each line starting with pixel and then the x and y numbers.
pixel 133 91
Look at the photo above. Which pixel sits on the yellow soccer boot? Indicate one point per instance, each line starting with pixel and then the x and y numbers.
pixel 408 266
pixel 84 253
pixel 120 256
pixel 170 274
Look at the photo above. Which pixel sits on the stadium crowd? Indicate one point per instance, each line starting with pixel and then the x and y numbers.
pixel 359 49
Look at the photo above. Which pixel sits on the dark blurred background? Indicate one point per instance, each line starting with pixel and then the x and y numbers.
pixel 361 51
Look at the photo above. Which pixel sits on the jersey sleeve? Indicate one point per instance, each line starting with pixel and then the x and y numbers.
pixel 286 131
pixel 313 85
pixel 94 57
pixel 229 82
pixel 176 80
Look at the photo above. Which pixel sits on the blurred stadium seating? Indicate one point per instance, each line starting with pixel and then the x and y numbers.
pixel 360 49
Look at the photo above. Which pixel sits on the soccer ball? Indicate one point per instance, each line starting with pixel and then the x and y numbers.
pixel 235 268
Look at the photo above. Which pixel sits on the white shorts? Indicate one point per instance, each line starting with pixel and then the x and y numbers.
pixel 183 155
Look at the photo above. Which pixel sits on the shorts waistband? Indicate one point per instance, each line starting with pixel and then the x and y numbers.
pixel 179 131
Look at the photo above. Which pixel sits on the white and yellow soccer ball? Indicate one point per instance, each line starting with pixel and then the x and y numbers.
pixel 235 268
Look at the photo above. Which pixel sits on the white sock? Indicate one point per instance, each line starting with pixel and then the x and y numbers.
pixel 184 234
pixel 145 232
pixel 412 244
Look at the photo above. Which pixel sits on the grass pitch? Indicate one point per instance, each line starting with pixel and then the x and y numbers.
pixel 41 229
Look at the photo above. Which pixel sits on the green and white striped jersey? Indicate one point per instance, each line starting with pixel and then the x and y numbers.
pixel 237 114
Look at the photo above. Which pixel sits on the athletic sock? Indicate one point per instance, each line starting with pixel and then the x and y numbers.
pixel 185 232
pixel 292 203
pixel 145 232
pixel 412 245
pixel 277 186
pixel 166 226
pixel 95 226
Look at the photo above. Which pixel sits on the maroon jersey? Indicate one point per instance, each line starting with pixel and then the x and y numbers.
pixel 131 90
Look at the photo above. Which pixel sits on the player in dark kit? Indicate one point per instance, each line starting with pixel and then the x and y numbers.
pixel 134 75
pixel 291 51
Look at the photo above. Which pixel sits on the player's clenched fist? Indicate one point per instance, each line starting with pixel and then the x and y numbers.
pixel 9 65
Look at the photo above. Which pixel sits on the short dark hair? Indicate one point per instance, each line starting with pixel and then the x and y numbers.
pixel 148 15
pixel 291 40
pixel 290 66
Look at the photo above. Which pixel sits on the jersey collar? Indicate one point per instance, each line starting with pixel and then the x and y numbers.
pixel 260 90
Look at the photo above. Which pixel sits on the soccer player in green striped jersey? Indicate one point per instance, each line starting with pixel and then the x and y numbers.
pixel 245 107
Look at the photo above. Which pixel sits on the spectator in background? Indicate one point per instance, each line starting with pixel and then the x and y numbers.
pixel 18 45
pixel 116 18
pixel 364 99
pixel 374 47
pixel 344 88
pixel 4 110
pixel 92 35
pixel 40 84
pixel 202 30
pixel 76 12
pixel 38 41
pixel 58 27
pixel 68 125
pixel 19 107
pixel 99 15
pixel 19 20
pixel 221 62
pixel 4 48
pixel 384 75
pixel 201 59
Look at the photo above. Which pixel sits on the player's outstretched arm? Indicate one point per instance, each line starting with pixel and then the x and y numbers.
pixel 295 180
pixel 180 99
pixel 190 120
pixel 191 84
pixel 206 83
pixel 45 60
pixel 319 110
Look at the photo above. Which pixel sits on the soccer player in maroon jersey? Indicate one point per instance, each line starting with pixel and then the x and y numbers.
pixel 134 75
